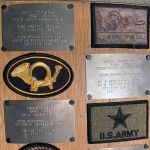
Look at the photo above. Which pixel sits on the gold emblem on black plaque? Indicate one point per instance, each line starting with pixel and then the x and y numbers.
pixel 38 75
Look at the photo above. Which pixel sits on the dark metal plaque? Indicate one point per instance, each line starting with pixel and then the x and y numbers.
pixel 39 146
pixel 116 25
pixel 116 122
pixel 134 147
pixel 38 75
pixel 39 121
pixel 38 27
pixel 117 75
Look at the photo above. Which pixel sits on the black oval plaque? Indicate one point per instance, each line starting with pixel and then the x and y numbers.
pixel 38 75
pixel 39 146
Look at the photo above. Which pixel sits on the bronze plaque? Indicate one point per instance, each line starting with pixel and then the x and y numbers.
pixel 117 25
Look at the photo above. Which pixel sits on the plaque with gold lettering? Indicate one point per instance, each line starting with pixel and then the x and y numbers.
pixel 38 75
pixel 119 26
pixel 117 75
pixel 39 121
pixel 37 27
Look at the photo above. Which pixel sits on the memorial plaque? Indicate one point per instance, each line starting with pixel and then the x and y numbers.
pixel 117 25
pixel 39 146
pixel 38 27
pixel 39 121
pixel 38 75
pixel 134 147
pixel 117 75
pixel 116 122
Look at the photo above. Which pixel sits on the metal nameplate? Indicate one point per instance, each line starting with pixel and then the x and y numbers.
pixel 38 27
pixel 39 121
pixel 39 146
pixel 117 75
pixel 134 147
pixel 38 75
pixel 116 122
pixel 118 25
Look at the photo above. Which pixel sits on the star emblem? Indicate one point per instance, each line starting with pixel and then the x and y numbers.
pixel 119 118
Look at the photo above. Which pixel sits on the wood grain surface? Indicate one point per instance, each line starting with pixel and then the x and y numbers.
pixel 77 91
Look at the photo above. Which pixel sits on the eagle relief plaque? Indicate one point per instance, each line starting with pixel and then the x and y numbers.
pixel 36 26
pixel 118 25
pixel 39 121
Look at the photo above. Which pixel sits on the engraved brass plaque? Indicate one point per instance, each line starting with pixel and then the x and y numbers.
pixel 134 147
pixel 39 121
pixel 117 75
pixel 38 27
pixel 118 25
pixel 117 121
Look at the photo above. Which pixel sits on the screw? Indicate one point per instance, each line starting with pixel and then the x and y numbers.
pixel 148 57
pixel 72 139
pixel 71 102
pixel 88 57
pixel 146 146
pixel 71 47
pixel 147 92
pixel 8 140
pixel 4 48
pixel 4 7
pixel 89 96
pixel 70 6
pixel 7 103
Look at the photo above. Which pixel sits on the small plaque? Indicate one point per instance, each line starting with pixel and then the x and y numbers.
pixel 134 147
pixel 39 121
pixel 117 25
pixel 117 75
pixel 38 75
pixel 38 27
pixel 116 122
pixel 39 146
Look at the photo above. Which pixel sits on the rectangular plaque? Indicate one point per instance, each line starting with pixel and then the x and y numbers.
pixel 116 122
pixel 120 26
pixel 38 27
pixel 39 121
pixel 117 75
pixel 134 147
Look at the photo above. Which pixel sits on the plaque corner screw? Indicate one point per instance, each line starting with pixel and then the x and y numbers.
pixel 4 7
pixel 146 146
pixel 8 140
pixel 71 102
pixel 88 57
pixel 89 96
pixel 71 47
pixel 7 103
pixel 70 6
pixel 72 139
pixel 4 48
pixel 147 92
pixel 147 57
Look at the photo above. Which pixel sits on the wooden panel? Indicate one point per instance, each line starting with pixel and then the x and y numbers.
pixel 77 91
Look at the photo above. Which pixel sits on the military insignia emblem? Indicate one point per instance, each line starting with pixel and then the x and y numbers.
pixel 118 121
pixel 119 26
pixel 38 75
pixel 39 146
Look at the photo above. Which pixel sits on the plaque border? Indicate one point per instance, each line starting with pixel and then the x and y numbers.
pixel 93 27
pixel 39 144
pixel 91 105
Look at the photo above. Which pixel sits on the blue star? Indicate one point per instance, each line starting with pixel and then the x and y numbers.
pixel 119 118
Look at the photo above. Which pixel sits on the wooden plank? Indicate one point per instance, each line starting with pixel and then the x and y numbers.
pixel 77 91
